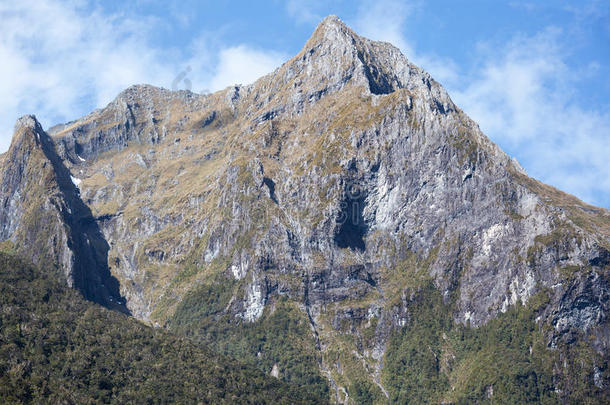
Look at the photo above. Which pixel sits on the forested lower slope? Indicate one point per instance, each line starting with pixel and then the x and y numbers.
pixel 55 347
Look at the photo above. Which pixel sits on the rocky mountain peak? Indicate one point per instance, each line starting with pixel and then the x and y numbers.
pixel 29 139
pixel 335 59
pixel 44 215
pixel 332 31
pixel 26 128
pixel 26 121
pixel 331 20
pixel 340 56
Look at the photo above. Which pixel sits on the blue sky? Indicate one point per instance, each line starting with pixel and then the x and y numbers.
pixel 534 74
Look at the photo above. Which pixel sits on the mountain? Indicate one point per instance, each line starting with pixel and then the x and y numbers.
pixel 340 224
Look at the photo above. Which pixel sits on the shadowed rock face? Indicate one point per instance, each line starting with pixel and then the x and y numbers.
pixel 351 228
pixel 343 181
pixel 50 223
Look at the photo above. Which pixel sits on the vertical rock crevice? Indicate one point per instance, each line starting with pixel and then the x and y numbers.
pixel 351 227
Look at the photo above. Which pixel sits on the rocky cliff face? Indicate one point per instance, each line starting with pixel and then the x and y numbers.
pixel 344 182
pixel 45 219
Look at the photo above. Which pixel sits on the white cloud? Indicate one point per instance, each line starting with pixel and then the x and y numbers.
pixel 506 89
pixel 243 65
pixel 60 60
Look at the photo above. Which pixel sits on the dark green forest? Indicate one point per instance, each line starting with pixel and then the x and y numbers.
pixel 55 347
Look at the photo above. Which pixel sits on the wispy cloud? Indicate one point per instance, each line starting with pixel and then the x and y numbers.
pixel 210 67
pixel 522 96
pixel 61 59
pixel 243 65
pixel 56 60
pixel 384 20
pixel 304 11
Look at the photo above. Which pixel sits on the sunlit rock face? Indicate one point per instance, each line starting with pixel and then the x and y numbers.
pixel 344 181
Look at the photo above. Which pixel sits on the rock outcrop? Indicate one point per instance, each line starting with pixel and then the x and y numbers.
pixel 45 219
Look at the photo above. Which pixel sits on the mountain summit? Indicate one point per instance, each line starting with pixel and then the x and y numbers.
pixel 339 223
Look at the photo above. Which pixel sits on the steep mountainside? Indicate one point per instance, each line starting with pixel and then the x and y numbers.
pixel 44 212
pixel 340 223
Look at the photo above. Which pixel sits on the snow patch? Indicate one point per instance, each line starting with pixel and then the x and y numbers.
pixel 80 158
pixel 76 181
pixel 139 160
